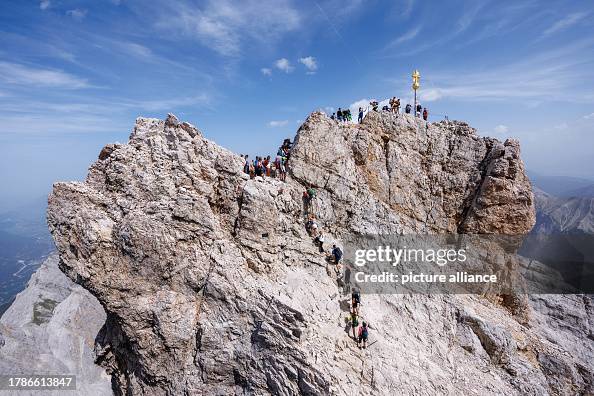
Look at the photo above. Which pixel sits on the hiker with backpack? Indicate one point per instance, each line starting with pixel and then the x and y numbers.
pixel 356 301
pixel 336 254
pixel 339 114
pixel 363 335
pixel 354 324
pixel 408 108
pixel 419 109
pixel 308 196
pixel 360 119
pixel 319 240
pixel 311 226
pixel 425 114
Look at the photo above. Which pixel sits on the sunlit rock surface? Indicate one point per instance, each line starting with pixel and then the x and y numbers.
pixel 212 286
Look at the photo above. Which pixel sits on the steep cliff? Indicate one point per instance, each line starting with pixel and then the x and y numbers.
pixel 50 328
pixel 212 285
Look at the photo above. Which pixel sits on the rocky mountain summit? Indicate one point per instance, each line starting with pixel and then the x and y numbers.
pixel 212 285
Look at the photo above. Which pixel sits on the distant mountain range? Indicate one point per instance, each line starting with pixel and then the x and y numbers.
pixel 563 186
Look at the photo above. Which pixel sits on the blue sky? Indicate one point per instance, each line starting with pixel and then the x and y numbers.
pixel 75 74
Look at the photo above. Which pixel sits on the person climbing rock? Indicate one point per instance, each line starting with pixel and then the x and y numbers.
pixel 339 114
pixel 354 324
pixel 425 114
pixel 419 109
pixel 319 240
pixel 308 197
pixel 360 119
pixel 374 105
pixel 397 106
pixel 336 254
pixel 363 335
pixel 408 108
pixel 333 116
pixel 312 226
pixel 356 301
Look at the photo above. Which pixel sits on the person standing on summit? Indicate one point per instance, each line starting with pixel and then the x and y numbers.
pixel 360 119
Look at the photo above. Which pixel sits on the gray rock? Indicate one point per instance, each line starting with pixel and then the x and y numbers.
pixel 50 328
pixel 212 286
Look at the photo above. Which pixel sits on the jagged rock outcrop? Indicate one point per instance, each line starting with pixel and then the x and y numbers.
pixel 212 286
pixel 50 328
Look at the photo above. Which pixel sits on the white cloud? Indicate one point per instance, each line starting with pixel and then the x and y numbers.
pixel 565 23
pixel 77 13
pixel 284 65
pixel 137 50
pixel 266 71
pixel 547 76
pixel 225 26
pixel 13 73
pixel 500 129
pixel 364 103
pixel 310 63
pixel 44 4
pixel 411 34
pixel 589 116
pixel 278 124
pixel 430 95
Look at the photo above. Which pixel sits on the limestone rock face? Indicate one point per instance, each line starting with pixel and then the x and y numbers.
pixel 420 177
pixel 212 286
pixel 50 328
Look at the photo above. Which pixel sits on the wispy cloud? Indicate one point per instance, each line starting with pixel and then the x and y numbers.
pixel 564 23
pixel 557 74
pixel 284 65
pixel 44 4
pixel 589 116
pixel 225 27
pixel 310 64
pixel 501 129
pixel 13 73
pixel 137 50
pixel 278 124
pixel 411 34
pixel 266 71
pixel 77 13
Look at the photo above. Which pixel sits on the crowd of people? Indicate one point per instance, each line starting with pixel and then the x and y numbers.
pixel 392 106
pixel 265 166
pixel 360 331
pixel 342 115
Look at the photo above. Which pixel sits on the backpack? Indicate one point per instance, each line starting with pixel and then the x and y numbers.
pixel 311 192
pixel 357 297
pixel 354 321
pixel 364 333
pixel 338 253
